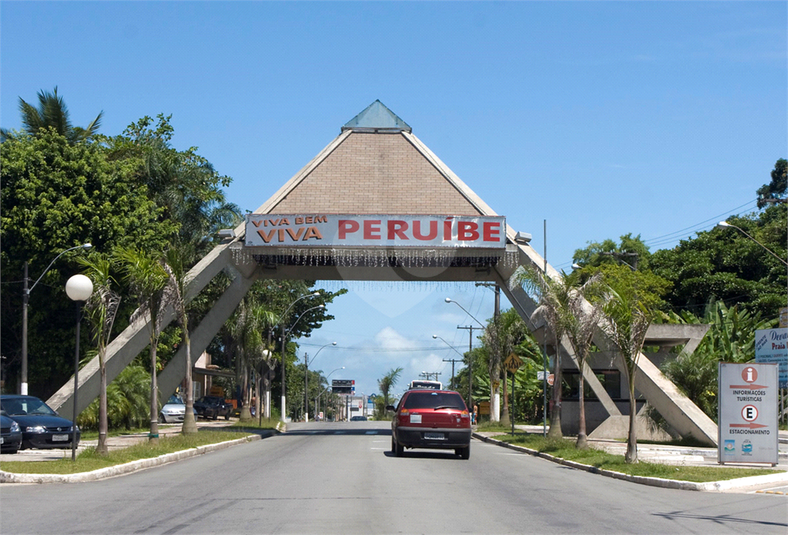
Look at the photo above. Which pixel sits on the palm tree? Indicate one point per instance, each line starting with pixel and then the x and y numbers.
pixel 553 307
pixel 53 113
pixel 585 309
pixel 628 314
pixel 387 382
pixel 501 336
pixel 148 280
pixel 176 259
pixel 101 310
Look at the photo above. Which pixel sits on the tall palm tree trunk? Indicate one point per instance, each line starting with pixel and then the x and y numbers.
pixel 632 438
pixel 101 448
pixel 555 403
pixel 153 436
pixel 582 439
pixel 189 423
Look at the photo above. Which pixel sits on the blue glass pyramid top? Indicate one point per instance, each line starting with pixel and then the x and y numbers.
pixel 377 118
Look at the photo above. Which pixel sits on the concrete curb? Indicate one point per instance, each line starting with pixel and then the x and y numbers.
pixel 122 469
pixel 710 486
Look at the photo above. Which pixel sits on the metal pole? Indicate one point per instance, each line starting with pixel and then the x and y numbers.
pixel 76 386
pixel 306 387
pixel 544 344
pixel 284 382
pixel 25 301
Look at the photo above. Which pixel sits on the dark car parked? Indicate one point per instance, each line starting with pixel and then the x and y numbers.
pixel 10 435
pixel 42 428
pixel 212 407
pixel 431 419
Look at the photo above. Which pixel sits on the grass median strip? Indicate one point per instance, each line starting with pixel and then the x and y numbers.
pixel 565 449
pixel 89 460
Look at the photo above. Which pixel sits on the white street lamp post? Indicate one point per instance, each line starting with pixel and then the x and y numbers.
pixel 283 416
pixel 25 301
pixel 78 288
pixel 306 380
pixel 470 349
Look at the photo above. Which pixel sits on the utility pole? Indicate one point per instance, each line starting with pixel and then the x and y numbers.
pixel 451 385
pixel 470 365
pixel 429 375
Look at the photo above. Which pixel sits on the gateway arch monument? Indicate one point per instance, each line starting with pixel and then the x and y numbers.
pixel 376 204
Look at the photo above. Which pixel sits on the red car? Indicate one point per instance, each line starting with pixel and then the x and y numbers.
pixel 431 419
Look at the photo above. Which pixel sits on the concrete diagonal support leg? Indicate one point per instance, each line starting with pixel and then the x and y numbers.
pixel 134 338
pixel 172 375
pixel 525 307
pixel 677 409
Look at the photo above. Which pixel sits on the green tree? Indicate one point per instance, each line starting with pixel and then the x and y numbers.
pixel 553 298
pixel 584 307
pixel 731 338
pixel 387 382
pixel 101 308
pixel 183 184
pixel 726 264
pixel 776 188
pixel 57 195
pixel 148 279
pixel 52 113
pixel 632 302
pixel 630 251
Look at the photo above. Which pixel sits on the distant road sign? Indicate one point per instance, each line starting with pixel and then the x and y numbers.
pixel 513 363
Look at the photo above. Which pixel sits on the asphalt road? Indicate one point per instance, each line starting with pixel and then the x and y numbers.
pixel 341 478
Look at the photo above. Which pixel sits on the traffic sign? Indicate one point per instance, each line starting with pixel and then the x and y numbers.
pixel 513 363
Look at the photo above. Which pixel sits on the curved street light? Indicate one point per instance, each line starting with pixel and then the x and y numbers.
pixel 78 288
pixel 285 332
pixel 306 379
pixel 725 224
pixel 470 349
pixel 317 399
pixel 435 336
pixel 25 300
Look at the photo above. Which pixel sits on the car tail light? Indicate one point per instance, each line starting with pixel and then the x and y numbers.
pixel 465 414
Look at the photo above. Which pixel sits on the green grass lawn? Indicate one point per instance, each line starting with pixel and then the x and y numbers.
pixel 565 449
pixel 89 460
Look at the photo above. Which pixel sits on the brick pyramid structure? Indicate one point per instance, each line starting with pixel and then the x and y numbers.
pixel 376 166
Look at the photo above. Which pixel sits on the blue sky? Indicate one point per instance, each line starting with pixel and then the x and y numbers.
pixel 602 118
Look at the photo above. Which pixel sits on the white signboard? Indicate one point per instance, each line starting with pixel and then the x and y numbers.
pixel 336 230
pixel 747 413
pixel 771 347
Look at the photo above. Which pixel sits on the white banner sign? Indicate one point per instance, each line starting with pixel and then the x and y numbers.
pixel 336 230
pixel 771 347
pixel 747 413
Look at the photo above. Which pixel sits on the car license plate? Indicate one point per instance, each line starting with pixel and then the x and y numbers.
pixel 59 438
pixel 415 418
pixel 433 436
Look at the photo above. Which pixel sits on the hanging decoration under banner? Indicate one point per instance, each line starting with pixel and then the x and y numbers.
pixel 341 230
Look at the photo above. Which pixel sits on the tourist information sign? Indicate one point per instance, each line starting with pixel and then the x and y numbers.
pixel 747 432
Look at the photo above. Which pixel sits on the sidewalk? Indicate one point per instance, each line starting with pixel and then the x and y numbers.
pixel 113 443
pixel 674 455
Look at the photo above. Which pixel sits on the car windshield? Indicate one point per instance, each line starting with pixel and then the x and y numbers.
pixel 434 400
pixel 23 406
pixel 175 400
pixel 211 400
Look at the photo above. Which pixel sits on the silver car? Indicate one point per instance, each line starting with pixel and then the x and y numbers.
pixel 174 410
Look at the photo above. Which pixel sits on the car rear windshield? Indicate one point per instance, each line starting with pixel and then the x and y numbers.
pixel 434 400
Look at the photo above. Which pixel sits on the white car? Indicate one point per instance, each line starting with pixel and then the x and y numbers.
pixel 174 410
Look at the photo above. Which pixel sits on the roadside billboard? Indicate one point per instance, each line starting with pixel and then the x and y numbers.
pixel 747 431
pixel 771 347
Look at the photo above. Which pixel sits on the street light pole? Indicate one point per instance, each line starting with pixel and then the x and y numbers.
pixel 326 388
pixel 306 380
pixel 78 288
pixel 435 336
pixel 25 301
pixel 470 349
pixel 283 416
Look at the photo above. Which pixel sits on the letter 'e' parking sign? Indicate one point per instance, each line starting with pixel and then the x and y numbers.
pixel 747 430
